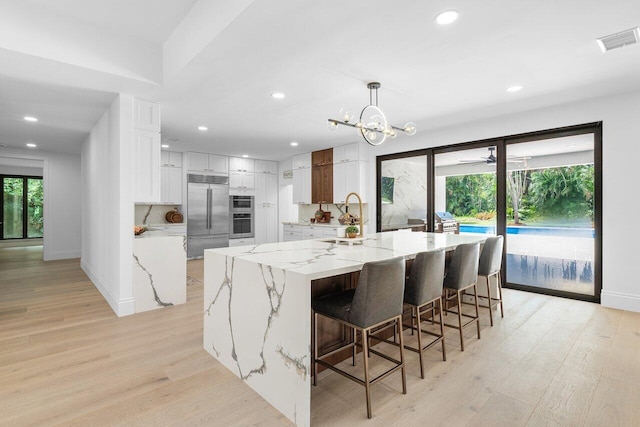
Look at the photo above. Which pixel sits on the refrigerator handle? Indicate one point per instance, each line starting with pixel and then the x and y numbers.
pixel 208 208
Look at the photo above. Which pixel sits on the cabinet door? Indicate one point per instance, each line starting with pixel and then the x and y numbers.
pixel 302 161
pixel 146 155
pixel 198 162
pixel 164 158
pixel 175 185
pixel 236 164
pixel 248 165
pixel 235 179
pixel 264 166
pixel 322 184
pixel 266 189
pixel 146 115
pixel 351 152
pixel 218 164
pixel 165 196
pixel 302 186
pixel 348 177
pixel 271 223
pixel 266 224
pixel 175 159
pixel 249 181
pixel 339 182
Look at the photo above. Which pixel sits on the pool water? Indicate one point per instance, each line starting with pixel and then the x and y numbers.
pixel 539 231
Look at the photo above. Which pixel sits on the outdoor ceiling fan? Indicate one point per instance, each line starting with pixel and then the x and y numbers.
pixel 491 159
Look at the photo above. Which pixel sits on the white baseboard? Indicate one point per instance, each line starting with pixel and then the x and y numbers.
pixel 121 307
pixel 54 255
pixel 620 300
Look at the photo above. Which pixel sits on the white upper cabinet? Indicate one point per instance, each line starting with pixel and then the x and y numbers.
pixel 146 115
pixel 265 166
pixel 208 163
pixel 146 156
pixel 348 153
pixel 242 183
pixel 241 164
pixel 349 177
pixel 302 161
pixel 302 185
pixel 266 189
pixel 172 159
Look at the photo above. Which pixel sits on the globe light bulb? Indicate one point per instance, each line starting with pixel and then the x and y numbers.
pixel 346 115
pixel 359 125
pixel 332 125
pixel 410 128
pixel 372 135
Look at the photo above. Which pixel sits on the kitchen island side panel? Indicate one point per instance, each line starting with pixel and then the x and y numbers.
pixel 257 324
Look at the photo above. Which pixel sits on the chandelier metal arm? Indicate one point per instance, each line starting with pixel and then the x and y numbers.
pixel 338 122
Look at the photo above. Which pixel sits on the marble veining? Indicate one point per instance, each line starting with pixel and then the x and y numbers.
pixel 153 288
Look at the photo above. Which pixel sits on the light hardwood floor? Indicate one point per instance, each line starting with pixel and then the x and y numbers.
pixel 66 359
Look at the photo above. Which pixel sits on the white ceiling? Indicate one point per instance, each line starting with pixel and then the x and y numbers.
pixel 66 60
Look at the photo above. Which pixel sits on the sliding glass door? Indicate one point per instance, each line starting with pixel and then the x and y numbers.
pixel 22 207
pixel 541 190
pixel 550 236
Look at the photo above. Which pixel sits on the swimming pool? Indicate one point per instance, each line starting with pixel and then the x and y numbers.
pixel 538 231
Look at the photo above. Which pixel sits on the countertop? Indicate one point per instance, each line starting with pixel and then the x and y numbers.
pixel 322 257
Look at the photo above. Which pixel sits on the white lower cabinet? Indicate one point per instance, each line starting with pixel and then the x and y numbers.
pixel 241 242
pixel 266 223
pixel 292 233
pixel 312 233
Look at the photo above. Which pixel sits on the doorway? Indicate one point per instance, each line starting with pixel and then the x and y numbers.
pixel 22 210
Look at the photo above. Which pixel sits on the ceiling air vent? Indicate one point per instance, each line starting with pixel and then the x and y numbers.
pixel 623 38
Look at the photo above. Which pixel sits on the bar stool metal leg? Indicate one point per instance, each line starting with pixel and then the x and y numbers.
pixel 365 357
pixel 417 325
pixel 403 366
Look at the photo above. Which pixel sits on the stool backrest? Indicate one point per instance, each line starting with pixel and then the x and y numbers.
pixel 425 278
pixel 379 294
pixel 463 269
pixel 491 256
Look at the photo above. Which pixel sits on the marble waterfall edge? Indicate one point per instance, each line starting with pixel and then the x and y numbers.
pixel 252 325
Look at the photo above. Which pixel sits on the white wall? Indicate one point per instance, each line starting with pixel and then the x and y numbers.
pixel 621 129
pixel 20 170
pixel 107 205
pixel 61 179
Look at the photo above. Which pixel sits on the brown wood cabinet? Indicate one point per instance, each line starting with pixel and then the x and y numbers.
pixel 322 176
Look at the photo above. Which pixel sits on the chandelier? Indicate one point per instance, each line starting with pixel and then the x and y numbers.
pixel 372 124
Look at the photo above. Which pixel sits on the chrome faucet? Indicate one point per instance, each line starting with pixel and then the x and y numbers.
pixel 361 219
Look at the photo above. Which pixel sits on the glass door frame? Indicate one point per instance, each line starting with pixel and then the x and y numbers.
pixel 501 144
pixel 25 207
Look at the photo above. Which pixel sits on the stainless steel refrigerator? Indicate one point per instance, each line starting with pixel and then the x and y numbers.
pixel 208 213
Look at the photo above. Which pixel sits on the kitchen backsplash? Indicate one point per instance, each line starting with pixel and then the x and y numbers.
pixel 305 212
pixel 152 214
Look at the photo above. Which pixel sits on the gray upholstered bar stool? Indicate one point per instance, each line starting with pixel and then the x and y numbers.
pixel 423 290
pixel 376 300
pixel 489 266
pixel 462 275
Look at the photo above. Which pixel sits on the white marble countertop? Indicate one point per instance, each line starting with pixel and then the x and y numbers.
pixel 322 258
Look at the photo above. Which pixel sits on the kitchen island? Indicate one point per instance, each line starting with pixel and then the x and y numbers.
pixel 257 306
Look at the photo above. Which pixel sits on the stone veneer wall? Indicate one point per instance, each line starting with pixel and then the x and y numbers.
pixel 410 190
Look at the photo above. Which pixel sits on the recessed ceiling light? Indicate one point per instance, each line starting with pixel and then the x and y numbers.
pixel 165 146
pixel 277 95
pixel 515 88
pixel 203 128
pixel 245 155
pixel 31 145
pixel 294 144
pixel 446 18
pixel 30 119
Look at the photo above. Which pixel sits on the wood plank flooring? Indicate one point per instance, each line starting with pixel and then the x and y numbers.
pixel 66 359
